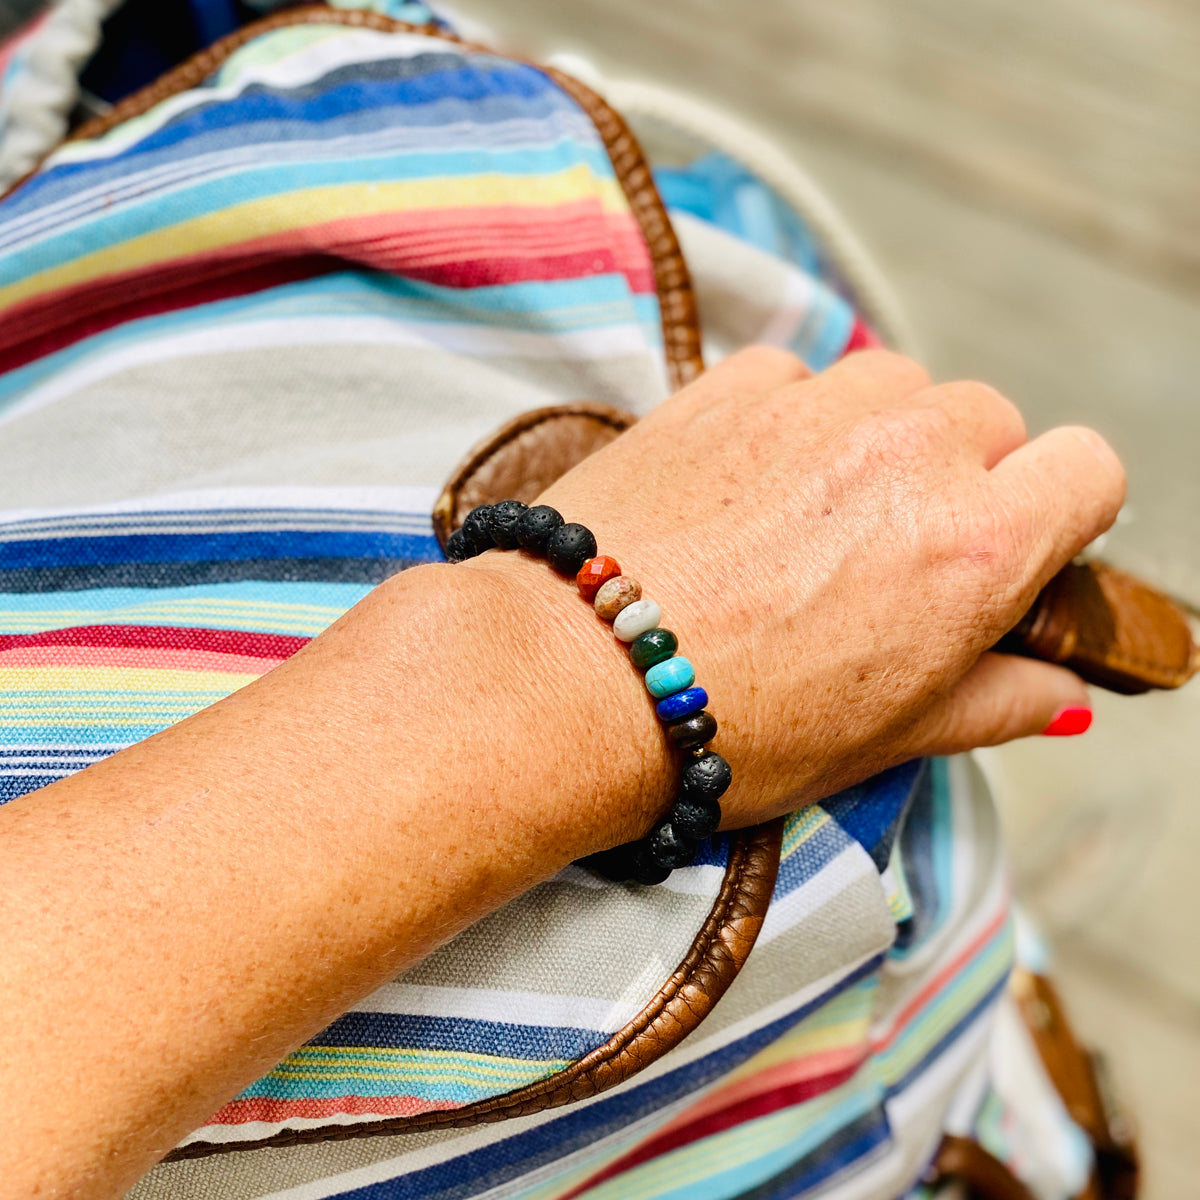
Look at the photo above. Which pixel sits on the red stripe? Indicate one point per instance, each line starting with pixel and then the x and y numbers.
pixel 264 1108
pixel 458 254
pixel 761 1105
pixel 162 637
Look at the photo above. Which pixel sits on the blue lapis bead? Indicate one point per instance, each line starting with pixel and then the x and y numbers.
pixel 670 676
pixel 682 704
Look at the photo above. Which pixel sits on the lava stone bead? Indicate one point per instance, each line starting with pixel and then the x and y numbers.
pixel 651 647
pixel 458 547
pixel 695 816
pixel 569 547
pixel 477 529
pixel 502 521
pixel 618 864
pixel 693 731
pixel 536 525
pixel 709 776
pixel 669 847
pixel 646 870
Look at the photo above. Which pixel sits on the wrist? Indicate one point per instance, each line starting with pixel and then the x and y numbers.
pixel 559 708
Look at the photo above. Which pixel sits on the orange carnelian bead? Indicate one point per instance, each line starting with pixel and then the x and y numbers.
pixel 595 572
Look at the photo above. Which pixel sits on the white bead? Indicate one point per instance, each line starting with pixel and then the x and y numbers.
pixel 636 618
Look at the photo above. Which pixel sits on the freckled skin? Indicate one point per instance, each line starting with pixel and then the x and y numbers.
pixel 467 730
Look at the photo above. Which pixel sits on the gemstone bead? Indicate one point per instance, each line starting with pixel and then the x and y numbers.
pixel 670 676
pixel 636 619
pixel 682 704
pixel 477 529
pixel 652 647
pixel 502 521
pixel 692 731
pixel 669 847
pixel 615 595
pixel 594 573
pixel 709 775
pixel 458 548
pixel 536 525
pixel 569 547
pixel 696 816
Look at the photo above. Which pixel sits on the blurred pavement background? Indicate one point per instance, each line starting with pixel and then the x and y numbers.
pixel 1028 174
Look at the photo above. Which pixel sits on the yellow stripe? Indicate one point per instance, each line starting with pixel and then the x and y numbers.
pixel 298 210
pixel 89 679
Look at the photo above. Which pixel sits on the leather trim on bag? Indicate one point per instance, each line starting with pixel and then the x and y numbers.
pixel 524 457
pixel 701 979
pixel 677 301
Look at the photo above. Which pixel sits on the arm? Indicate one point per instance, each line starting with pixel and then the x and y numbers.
pixel 836 555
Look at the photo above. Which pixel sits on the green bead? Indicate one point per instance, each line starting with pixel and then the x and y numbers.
pixel 652 647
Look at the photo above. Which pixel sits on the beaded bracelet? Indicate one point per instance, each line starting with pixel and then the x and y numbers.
pixel 571 550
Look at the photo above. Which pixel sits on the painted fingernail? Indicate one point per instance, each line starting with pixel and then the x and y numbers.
pixel 1069 722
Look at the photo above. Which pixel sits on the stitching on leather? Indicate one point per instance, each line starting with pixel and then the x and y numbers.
pixel 677 306
pixel 549 1093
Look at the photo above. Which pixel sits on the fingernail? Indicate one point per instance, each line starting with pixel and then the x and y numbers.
pixel 1069 722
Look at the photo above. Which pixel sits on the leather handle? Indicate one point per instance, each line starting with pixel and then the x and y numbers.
pixel 1111 629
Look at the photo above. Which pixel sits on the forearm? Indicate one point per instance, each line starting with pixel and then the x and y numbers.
pixel 182 915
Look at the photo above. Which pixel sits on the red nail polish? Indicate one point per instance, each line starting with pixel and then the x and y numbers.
pixel 1069 722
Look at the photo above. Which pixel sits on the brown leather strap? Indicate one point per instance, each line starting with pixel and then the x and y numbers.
pixel 1110 628
pixel 983 1174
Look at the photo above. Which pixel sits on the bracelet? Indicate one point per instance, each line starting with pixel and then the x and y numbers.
pixel 571 550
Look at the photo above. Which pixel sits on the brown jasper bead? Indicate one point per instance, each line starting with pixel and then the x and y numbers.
pixel 594 574
pixel 615 595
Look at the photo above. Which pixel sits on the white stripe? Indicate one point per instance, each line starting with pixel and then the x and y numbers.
pixel 850 867
pixel 479 341
pixel 416 502
pixel 505 1007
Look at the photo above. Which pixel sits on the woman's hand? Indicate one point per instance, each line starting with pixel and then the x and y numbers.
pixel 837 553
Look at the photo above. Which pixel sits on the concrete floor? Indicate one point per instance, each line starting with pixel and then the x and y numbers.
pixel 1029 177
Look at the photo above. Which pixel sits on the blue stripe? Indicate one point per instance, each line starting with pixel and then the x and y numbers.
pixel 466 1175
pixel 495 1038
pixel 214 547
pixel 505 91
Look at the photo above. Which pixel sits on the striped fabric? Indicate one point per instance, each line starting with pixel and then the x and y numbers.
pixel 258 324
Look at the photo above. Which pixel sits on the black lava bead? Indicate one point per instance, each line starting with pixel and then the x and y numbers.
pixel 536 525
pixel 693 731
pixel 647 871
pixel 618 864
pixel 502 521
pixel 695 816
pixel 669 847
pixel 708 776
pixel 569 547
pixel 477 528
pixel 458 547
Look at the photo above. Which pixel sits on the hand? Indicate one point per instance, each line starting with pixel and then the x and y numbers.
pixel 837 553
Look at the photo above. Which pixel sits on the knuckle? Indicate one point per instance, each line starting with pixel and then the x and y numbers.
pixel 894 438
pixel 770 358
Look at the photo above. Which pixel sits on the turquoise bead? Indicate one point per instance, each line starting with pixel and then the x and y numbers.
pixel 670 676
